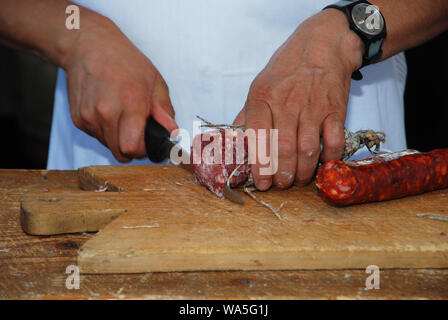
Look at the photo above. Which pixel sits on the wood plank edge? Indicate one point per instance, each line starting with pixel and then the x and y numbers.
pixel 44 223
pixel 88 261
pixel 87 180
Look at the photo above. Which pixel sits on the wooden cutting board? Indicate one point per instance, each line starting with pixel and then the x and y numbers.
pixel 159 219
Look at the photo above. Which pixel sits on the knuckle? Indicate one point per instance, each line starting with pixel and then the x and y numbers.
pixel 262 93
pixel 130 148
pixel 335 144
pixel 104 112
pixel 308 149
pixel 261 90
pixel 286 146
pixel 132 93
pixel 86 116
pixel 335 103
pixel 257 124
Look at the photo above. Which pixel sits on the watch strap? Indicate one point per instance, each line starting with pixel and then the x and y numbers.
pixel 373 49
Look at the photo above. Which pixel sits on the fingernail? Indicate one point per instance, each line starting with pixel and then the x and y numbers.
pixel 264 184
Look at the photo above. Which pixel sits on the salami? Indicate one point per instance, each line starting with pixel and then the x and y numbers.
pixel 211 168
pixel 383 177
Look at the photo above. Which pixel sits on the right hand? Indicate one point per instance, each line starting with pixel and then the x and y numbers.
pixel 113 88
pixel 303 93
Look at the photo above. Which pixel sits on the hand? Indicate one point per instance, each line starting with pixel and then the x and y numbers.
pixel 303 92
pixel 113 88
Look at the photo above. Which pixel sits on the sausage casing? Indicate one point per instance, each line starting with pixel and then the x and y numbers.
pixel 383 177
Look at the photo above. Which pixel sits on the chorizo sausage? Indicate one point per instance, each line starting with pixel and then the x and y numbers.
pixel 383 177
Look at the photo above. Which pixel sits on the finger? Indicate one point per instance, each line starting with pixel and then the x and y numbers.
pixel 162 109
pixel 112 142
pixel 132 122
pixel 286 123
pixel 160 114
pixel 75 97
pixel 333 138
pixel 131 130
pixel 258 117
pixel 240 118
pixel 109 116
pixel 82 107
pixel 308 143
pixel 89 118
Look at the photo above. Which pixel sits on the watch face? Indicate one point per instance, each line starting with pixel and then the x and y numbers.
pixel 368 18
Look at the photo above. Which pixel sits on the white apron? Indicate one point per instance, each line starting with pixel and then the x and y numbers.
pixel 209 52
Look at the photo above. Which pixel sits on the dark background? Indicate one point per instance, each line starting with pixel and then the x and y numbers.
pixel 27 87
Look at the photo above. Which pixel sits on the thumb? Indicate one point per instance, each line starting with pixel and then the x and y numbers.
pixel 162 109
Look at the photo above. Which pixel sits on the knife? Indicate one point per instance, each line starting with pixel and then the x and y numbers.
pixel 159 147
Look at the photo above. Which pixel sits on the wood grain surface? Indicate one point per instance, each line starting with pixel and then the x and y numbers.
pixel 184 227
pixel 69 212
pixel 33 267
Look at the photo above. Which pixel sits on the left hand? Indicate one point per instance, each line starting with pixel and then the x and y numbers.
pixel 303 92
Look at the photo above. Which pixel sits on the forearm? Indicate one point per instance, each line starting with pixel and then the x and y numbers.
pixel 410 23
pixel 39 27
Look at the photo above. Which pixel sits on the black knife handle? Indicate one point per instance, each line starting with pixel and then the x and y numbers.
pixel 156 141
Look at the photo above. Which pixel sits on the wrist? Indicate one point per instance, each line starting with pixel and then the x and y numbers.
pixel 351 47
pixel 333 44
pixel 70 41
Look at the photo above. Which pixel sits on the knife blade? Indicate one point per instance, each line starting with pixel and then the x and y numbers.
pixel 159 148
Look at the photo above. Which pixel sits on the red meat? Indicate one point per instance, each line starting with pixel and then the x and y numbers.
pixel 383 177
pixel 211 166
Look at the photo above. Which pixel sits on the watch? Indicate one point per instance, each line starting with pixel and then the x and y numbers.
pixel 368 23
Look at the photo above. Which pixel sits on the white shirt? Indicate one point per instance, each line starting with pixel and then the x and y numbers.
pixel 208 53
